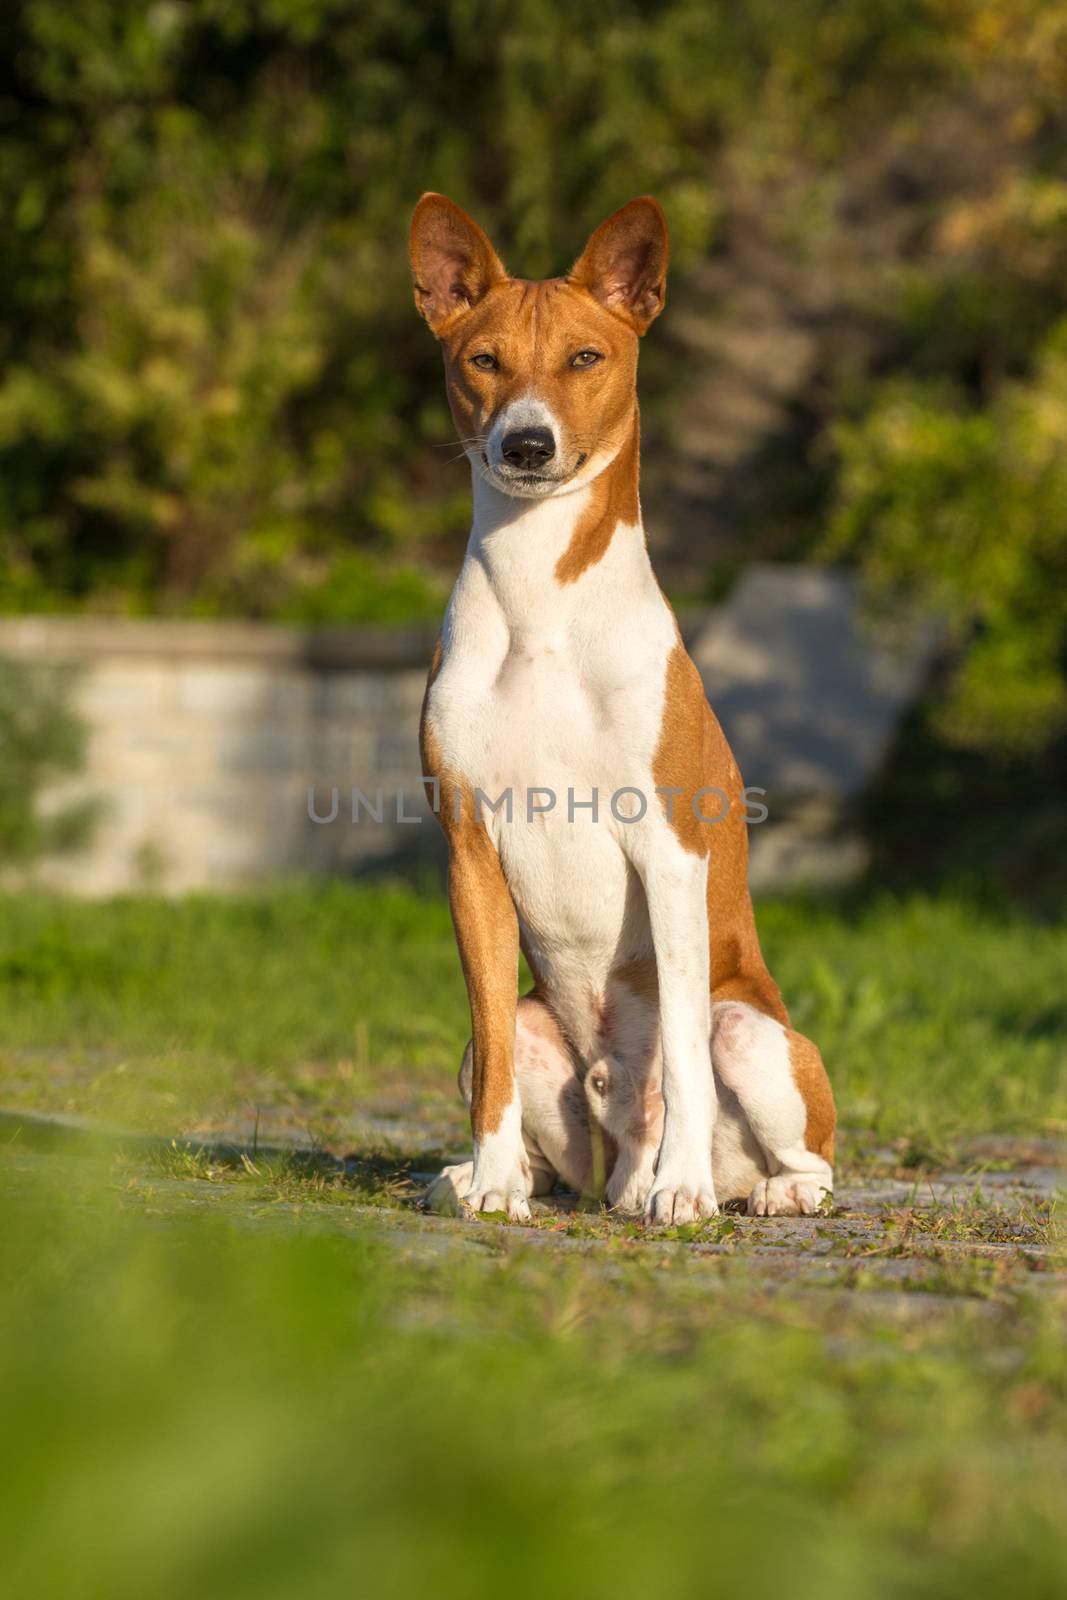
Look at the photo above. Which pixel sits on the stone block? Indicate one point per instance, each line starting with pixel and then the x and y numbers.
pixel 808 689
pixel 358 694
pixel 120 690
pixel 397 751
pixel 170 745
pixel 338 750
pixel 210 689
pixel 264 749
pixel 239 855
pixel 231 807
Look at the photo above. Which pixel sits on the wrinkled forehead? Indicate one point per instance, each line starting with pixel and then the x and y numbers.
pixel 537 321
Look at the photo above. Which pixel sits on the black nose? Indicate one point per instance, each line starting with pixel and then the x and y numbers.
pixel 528 448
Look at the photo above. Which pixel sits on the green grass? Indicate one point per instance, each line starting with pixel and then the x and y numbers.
pixel 937 1019
pixel 252 1373
pixel 210 1399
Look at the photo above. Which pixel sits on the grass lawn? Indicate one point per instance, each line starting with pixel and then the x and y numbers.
pixel 937 1019
pixel 270 1377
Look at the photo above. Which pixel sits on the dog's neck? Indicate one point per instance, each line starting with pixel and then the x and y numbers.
pixel 534 552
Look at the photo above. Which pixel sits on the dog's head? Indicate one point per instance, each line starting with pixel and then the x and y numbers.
pixel 540 375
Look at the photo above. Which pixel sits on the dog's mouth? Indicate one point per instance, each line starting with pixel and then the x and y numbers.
pixel 516 480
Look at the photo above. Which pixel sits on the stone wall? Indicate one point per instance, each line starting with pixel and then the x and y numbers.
pixel 206 738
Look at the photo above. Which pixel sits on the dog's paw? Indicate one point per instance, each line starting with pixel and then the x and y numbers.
pixel 629 1199
pixel 453 1194
pixel 511 1200
pixel 669 1205
pixel 446 1192
pixel 786 1196
pixel 628 1192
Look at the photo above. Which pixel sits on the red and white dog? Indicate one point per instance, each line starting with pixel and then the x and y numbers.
pixel 561 680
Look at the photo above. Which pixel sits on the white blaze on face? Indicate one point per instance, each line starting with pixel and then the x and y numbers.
pixel 525 412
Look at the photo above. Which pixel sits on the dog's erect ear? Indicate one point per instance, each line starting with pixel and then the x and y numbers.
pixel 625 263
pixel 452 260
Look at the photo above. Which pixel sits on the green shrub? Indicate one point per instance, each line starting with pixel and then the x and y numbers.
pixel 41 741
pixel 966 509
pixel 216 387
pixel 215 396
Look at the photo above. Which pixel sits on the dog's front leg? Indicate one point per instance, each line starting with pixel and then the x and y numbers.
pixel 675 882
pixel 488 937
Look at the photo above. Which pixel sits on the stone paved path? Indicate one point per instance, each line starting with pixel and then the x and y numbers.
pixel 972 1234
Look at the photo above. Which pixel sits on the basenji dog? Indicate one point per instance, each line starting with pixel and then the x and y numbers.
pixel 593 811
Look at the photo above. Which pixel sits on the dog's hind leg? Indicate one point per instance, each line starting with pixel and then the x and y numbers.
pixel 782 1089
pixel 555 1116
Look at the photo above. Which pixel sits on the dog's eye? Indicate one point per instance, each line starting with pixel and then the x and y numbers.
pixel 484 361
pixel 586 358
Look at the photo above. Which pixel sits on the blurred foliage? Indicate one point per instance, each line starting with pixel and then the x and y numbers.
pixel 967 507
pixel 215 395
pixel 42 741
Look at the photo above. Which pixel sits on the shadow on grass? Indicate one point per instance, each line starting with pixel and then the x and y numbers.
pixel 385 1175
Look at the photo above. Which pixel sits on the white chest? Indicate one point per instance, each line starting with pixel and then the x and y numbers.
pixel 549 703
pixel 551 687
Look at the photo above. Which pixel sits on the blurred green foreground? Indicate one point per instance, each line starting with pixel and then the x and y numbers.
pixel 270 1402
pixel 252 1382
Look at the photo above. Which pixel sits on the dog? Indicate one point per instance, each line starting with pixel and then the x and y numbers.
pixel 654 1043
